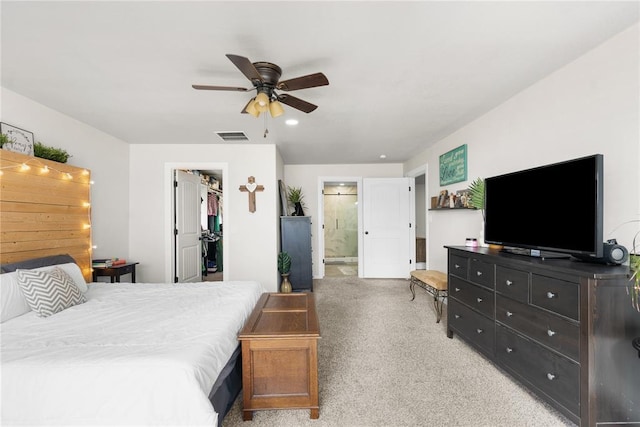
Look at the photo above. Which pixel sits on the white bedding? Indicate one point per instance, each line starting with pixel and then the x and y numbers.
pixel 134 354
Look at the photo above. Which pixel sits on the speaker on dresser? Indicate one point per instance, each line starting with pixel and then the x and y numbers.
pixel 612 253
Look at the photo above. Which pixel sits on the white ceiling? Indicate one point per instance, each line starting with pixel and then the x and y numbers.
pixel 402 74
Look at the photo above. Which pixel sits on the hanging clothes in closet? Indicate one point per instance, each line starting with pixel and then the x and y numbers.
pixel 214 213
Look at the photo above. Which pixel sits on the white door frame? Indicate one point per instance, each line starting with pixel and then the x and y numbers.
pixel 169 241
pixel 422 170
pixel 320 215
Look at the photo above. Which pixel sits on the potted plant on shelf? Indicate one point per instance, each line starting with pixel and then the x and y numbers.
pixel 294 195
pixel 284 267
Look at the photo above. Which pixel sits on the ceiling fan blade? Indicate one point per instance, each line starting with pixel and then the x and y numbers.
pixel 297 103
pixel 304 82
pixel 244 65
pixel 230 88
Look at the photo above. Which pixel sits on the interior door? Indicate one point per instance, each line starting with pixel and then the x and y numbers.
pixel 387 247
pixel 188 266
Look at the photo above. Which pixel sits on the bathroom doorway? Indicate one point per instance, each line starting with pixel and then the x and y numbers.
pixel 340 201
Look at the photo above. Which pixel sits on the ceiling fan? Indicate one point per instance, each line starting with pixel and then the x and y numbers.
pixel 265 78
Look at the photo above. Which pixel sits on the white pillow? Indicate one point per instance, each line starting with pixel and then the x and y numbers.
pixel 49 292
pixel 12 301
pixel 72 270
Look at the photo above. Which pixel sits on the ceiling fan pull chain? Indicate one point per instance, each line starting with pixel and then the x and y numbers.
pixel 266 131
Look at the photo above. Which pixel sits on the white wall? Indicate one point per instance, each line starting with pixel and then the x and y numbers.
pixel 250 240
pixel 308 177
pixel 105 156
pixel 589 106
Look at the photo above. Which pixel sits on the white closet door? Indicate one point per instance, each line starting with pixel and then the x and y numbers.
pixel 188 245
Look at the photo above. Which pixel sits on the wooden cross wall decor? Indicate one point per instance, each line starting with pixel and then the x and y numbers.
pixel 251 187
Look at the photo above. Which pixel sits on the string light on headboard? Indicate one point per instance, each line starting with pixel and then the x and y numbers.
pixel 25 166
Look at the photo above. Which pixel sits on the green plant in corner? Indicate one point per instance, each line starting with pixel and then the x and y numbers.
pixel 4 139
pixel 284 267
pixel 633 290
pixel 476 194
pixel 284 263
pixel 634 272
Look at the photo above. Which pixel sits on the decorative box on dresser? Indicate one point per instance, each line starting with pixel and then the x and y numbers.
pixel 295 235
pixel 563 328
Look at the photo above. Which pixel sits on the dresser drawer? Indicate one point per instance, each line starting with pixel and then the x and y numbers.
pixel 474 296
pixel 557 376
pixel 472 325
pixel 553 331
pixel 458 265
pixel 559 296
pixel 512 283
pixel 481 273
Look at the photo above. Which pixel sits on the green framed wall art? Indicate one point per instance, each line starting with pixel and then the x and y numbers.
pixel 453 166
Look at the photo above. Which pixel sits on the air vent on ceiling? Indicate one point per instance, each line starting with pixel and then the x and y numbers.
pixel 232 136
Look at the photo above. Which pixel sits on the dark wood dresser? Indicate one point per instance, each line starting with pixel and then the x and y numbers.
pixel 562 328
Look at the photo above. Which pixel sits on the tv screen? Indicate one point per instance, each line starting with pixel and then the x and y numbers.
pixel 555 208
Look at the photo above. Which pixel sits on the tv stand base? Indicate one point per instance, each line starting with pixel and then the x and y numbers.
pixel 535 253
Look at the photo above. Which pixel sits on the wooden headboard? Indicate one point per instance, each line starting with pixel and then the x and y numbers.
pixel 44 210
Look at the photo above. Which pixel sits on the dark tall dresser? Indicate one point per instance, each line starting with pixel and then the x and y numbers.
pixel 562 328
pixel 295 235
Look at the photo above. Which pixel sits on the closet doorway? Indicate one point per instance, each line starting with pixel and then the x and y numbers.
pixel 197 210
pixel 340 211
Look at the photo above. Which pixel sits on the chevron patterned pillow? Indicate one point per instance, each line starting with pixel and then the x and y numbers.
pixel 49 292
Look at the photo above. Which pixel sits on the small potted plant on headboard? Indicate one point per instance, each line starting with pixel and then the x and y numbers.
pixel 284 267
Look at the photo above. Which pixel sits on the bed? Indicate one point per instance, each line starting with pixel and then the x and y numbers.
pixel 134 354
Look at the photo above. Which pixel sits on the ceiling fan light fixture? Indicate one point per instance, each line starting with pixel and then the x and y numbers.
pixel 262 102
pixel 275 108
pixel 251 108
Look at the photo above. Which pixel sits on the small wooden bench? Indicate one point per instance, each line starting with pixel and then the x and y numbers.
pixel 434 282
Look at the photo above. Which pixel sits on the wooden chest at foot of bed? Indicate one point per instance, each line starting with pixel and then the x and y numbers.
pixel 280 354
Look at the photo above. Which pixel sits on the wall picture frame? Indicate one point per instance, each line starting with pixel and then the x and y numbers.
pixel 453 166
pixel 20 140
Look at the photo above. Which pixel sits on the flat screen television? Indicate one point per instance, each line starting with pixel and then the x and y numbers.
pixel 549 211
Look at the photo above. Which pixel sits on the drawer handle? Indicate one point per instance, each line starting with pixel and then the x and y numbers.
pixel 479 330
pixel 457 289
pixel 479 273
pixel 551 376
pixel 509 282
pixel 457 316
pixel 509 314
pixel 479 299
pixel 550 332
pixel 509 350
pixel 551 295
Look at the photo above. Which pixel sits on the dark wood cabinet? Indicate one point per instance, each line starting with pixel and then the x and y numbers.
pixel 295 235
pixel 562 328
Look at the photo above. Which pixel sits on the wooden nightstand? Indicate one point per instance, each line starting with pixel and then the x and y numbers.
pixel 116 271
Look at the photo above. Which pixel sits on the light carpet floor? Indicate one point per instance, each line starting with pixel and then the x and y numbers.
pixel 383 361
